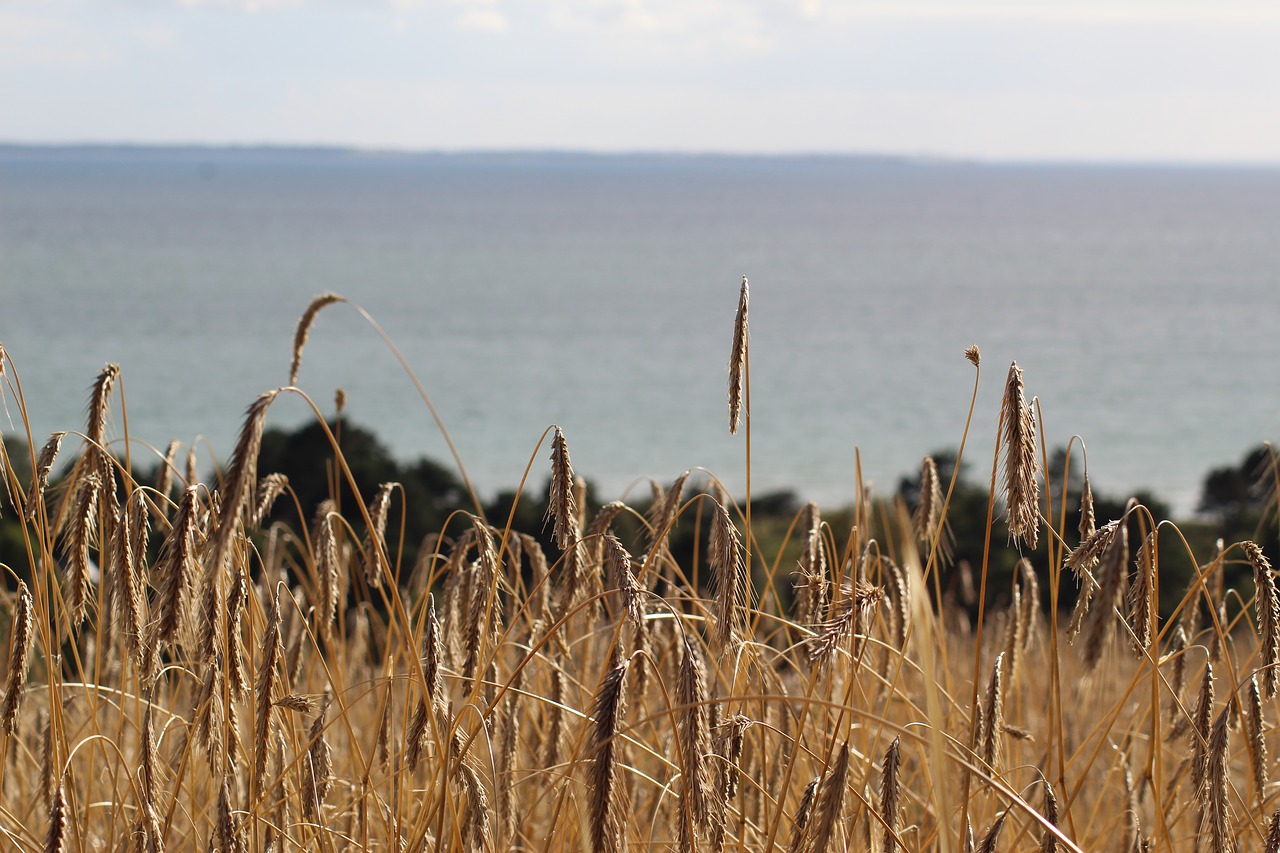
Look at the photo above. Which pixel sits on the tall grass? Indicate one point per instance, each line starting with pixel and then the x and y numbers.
pixel 179 678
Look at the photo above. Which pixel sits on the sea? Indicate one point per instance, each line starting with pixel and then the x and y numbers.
pixel 523 290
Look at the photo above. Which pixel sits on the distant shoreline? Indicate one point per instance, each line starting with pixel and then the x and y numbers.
pixel 250 151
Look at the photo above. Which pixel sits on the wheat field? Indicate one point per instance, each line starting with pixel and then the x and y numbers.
pixel 180 675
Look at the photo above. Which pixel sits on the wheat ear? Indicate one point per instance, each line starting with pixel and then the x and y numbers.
pixel 1022 492
pixel 889 795
pixel 303 331
pixel 606 807
pixel 729 570
pixel 55 841
pixel 1268 606
pixel 738 359
pixel 831 795
pixel 561 505
pixel 21 644
pixel 40 478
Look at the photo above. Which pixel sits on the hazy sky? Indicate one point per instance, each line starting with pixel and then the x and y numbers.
pixel 1126 79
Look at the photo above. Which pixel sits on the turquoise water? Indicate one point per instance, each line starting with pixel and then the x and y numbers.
pixel 598 293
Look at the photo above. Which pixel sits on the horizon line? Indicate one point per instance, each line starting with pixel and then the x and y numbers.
pixel 392 151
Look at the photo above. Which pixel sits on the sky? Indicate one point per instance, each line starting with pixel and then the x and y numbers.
pixel 1125 80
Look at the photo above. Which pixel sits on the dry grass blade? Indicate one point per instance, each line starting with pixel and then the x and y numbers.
pixel 738 359
pixel 1022 491
pixel 1088 521
pixel 303 331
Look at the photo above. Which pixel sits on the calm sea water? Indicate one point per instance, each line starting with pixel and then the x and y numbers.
pixel 599 292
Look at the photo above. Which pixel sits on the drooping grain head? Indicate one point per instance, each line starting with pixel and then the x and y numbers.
pixel 375 544
pixel 1048 840
pixel 1268 606
pixel 40 479
pixel 303 330
pixel 1088 521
